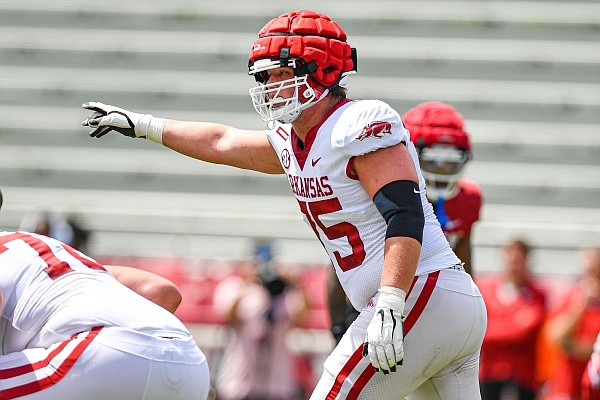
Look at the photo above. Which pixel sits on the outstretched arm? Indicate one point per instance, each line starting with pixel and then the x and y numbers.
pixel 210 142
pixel 222 144
pixel 153 287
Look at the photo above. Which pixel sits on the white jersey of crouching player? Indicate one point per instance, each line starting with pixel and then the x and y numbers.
pixel 355 174
pixel 70 330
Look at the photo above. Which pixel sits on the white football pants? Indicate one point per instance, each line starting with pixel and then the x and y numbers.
pixel 444 328
pixel 97 365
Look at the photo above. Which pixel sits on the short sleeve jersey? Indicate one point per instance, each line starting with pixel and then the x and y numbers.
pixel 334 203
pixel 51 291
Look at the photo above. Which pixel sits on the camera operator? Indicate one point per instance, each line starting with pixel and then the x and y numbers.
pixel 260 306
pixel 269 277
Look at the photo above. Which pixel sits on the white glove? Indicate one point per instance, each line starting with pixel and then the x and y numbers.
pixel 385 333
pixel 106 118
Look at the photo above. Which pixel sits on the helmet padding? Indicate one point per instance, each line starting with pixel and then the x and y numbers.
pixel 311 37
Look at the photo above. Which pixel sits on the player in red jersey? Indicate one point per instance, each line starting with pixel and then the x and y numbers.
pixel 354 173
pixel 516 309
pixel 437 130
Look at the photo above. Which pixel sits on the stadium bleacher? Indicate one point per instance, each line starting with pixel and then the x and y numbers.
pixel 524 74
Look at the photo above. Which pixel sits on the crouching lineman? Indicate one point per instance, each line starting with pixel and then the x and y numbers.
pixel 70 330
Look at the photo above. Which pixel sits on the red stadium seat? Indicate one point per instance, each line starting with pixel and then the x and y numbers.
pixel 197 288
pixel 313 281
pixel 197 303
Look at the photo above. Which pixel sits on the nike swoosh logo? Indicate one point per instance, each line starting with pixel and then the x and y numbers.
pixel 416 191
pixel 314 162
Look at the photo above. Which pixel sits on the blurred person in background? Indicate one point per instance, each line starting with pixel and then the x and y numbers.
pixel 437 130
pixel 574 329
pixel 54 224
pixel 516 311
pixel 260 306
pixel 81 234
pixel 341 312
pixel 48 223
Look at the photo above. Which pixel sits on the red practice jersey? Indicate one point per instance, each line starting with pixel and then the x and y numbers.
pixel 515 317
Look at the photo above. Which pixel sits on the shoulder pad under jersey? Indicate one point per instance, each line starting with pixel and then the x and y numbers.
pixel 366 126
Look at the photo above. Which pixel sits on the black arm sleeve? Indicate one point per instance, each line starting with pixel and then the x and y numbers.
pixel 399 203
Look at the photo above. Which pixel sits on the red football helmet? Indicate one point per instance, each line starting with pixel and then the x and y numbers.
pixel 315 47
pixel 437 131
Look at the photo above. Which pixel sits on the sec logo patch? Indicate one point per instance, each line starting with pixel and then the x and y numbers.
pixel 285 158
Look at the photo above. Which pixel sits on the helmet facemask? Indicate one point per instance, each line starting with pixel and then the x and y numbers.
pixel 270 100
pixel 442 166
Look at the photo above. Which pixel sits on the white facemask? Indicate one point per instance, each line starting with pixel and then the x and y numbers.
pixel 272 106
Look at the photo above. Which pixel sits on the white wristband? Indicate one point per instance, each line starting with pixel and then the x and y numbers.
pixel 393 290
pixel 150 127
pixel 391 297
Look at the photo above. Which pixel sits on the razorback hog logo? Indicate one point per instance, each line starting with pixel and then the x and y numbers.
pixel 375 129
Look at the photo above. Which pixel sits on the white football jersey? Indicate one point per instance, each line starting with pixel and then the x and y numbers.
pixel 334 203
pixel 51 291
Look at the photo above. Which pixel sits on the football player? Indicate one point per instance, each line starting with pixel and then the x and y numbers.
pixel 79 333
pixel 354 173
pixel 444 148
pixel 70 330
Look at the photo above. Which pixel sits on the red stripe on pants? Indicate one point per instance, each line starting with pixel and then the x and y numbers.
pixel 368 373
pixel 49 380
